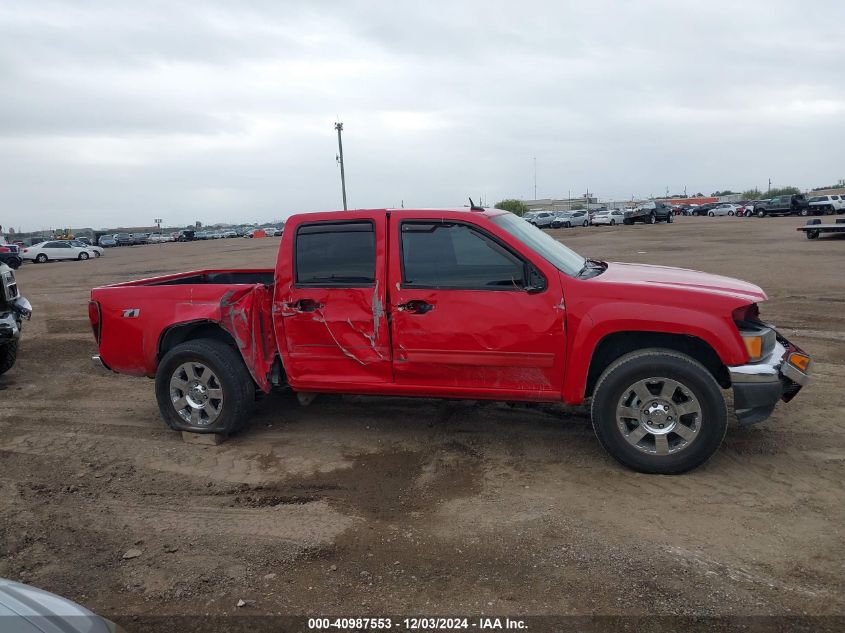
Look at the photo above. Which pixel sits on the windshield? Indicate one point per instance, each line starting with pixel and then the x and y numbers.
pixel 542 243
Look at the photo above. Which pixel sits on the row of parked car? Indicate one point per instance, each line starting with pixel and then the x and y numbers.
pixel 793 204
pixel 648 213
pixel 186 235
pixel 655 211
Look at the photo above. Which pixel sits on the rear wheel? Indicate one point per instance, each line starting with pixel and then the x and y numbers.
pixel 659 411
pixel 650 219
pixel 612 222
pixel 761 214
pixel 41 258
pixel 568 225
pixel 730 212
pixel 805 212
pixel 811 235
pixel 711 214
pixel 203 386
pixel 8 356
pixel 83 256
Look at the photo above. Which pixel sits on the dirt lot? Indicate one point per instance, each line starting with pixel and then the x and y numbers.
pixel 392 506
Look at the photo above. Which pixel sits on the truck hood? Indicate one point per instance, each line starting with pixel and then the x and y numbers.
pixel 682 279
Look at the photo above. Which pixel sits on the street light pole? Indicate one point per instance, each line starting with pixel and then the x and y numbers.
pixel 339 127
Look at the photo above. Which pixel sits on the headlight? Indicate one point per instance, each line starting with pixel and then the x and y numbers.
pixel 759 340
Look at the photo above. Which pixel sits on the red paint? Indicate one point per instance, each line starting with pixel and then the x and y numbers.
pixel 485 344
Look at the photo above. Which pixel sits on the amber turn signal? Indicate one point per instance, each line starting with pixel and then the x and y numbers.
pixel 754 345
pixel 799 361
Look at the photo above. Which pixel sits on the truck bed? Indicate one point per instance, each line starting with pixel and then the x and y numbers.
pixel 207 277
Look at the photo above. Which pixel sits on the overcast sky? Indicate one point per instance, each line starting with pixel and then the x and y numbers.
pixel 116 113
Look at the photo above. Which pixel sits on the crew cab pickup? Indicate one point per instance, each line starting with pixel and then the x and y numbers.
pixel 471 304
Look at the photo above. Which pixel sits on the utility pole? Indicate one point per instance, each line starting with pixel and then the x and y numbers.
pixel 339 127
pixel 770 186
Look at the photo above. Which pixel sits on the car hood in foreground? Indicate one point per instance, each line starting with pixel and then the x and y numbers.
pixel 650 276
pixel 24 609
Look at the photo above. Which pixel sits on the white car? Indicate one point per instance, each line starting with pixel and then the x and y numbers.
pixel 94 251
pixel 612 217
pixel 827 204
pixel 54 250
pixel 726 208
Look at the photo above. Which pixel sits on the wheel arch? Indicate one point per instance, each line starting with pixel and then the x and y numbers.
pixel 616 344
pixel 192 330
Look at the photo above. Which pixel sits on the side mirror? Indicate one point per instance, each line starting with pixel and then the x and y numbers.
pixel 534 280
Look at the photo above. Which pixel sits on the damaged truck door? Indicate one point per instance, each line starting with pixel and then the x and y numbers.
pixel 329 308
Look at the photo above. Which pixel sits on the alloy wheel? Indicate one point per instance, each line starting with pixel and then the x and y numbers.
pixel 659 416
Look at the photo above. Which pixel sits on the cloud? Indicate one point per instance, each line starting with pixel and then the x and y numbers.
pixel 224 111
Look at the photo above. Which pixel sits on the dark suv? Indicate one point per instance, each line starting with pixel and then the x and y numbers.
pixel 783 205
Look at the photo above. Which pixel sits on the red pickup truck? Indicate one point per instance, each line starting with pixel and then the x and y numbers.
pixel 474 304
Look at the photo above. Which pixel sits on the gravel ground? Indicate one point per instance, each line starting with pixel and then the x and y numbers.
pixel 395 506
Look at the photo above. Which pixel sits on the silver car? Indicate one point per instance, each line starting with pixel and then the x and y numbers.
pixel 25 609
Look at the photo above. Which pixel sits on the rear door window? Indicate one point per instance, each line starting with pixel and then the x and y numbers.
pixel 335 255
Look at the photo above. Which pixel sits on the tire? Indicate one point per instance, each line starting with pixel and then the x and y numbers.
pixel 228 375
pixel 83 256
pixel 568 225
pixel 627 222
pixel 812 235
pixel 8 356
pixel 555 225
pixel 586 223
pixel 711 214
pixel 730 212
pixel 14 264
pixel 671 218
pixel 761 214
pixel 804 212
pixel 41 258
pixel 612 222
pixel 651 219
pixel 688 385
pixel 96 254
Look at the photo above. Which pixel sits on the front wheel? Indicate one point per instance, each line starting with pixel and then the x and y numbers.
pixel 651 218
pixel 8 356
pixel 659 411
pixel 613 223
pixel 203 386
pixel 711 214
pixel 671 218
pixel 730 212
pixel 813 234
pixel 805 212
pixel 761 214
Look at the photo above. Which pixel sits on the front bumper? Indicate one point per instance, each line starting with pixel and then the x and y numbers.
pixel 759 386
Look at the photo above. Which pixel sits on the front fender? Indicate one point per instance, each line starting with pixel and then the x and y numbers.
pixel 586 332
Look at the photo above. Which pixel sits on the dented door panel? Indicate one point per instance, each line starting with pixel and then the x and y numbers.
pixel 333 335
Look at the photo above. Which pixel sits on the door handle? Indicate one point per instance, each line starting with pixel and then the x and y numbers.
pixel 415 306
pixel 304 305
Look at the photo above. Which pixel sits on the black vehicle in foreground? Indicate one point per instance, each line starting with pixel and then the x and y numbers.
pixel 783 205
pixel 13 310
pixel 10 255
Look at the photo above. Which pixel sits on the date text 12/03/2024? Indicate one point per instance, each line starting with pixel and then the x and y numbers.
pixel 417 624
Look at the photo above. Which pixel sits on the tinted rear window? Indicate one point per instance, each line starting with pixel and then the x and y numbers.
pixel 336 255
